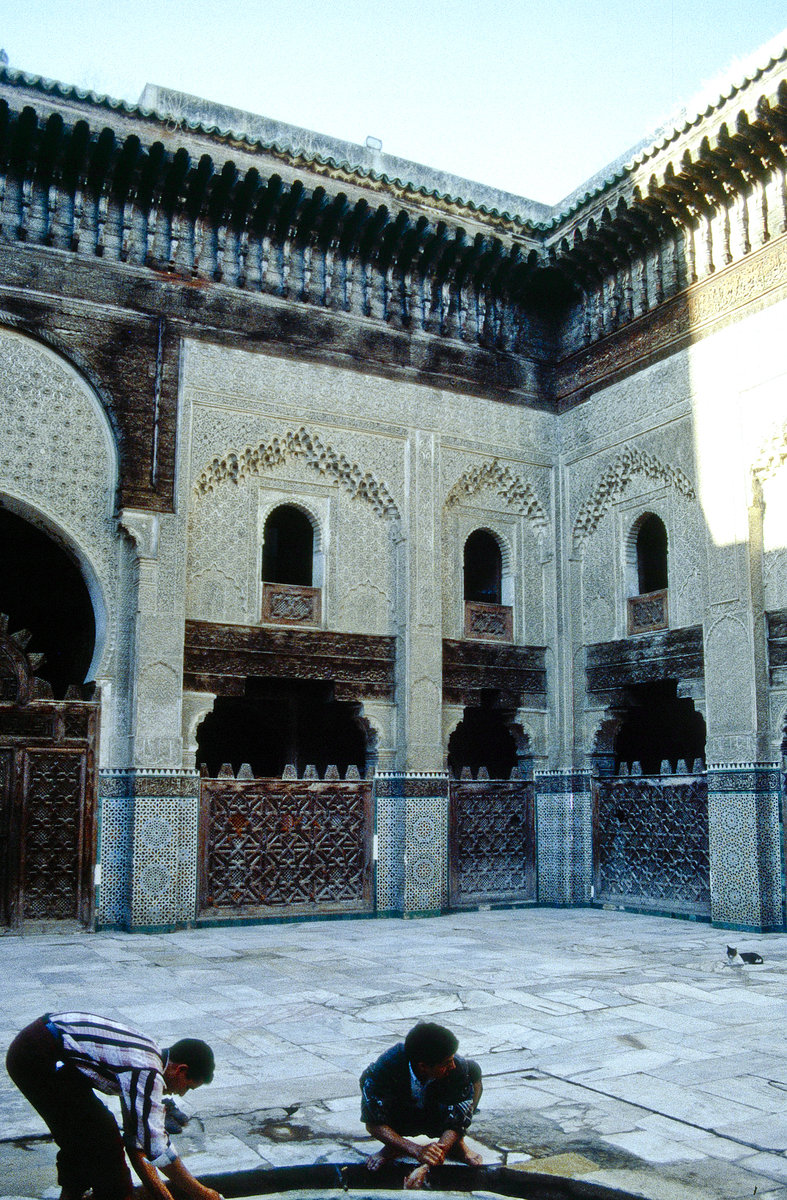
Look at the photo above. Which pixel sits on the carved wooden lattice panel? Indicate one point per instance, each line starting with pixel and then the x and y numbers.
pixel 274 843
pixel 492 832
pixel 47 810
pixel 52 833
pixel 6 865
pixel 652 843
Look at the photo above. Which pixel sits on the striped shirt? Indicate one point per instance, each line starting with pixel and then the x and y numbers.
pixel 120 1062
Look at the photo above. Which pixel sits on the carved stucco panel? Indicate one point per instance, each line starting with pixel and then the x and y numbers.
pixel 728 686
pixel 58 459
pixel 364 561
pixel 510 499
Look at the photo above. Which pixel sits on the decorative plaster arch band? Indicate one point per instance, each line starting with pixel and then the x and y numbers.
pixel 614 482
pixel 516 492
pixel 320 456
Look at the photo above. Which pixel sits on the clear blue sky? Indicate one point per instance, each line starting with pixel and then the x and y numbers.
pixel 533 96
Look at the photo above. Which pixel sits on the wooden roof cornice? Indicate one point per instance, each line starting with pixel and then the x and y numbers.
pixel 56 136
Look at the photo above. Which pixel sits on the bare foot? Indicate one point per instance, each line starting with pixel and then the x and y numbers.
pixel 418 1177
pixel 462 1152
pixel 375 1161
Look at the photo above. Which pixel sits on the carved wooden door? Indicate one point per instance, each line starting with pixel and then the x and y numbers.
pixel 651 843
pixel 272 846
pixel 47 811
pixel 492 849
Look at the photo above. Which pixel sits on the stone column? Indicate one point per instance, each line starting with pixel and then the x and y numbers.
pixel 564 823
pixel 163 798
pixel 420 657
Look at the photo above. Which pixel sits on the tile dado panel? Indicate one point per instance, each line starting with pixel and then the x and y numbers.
pixel 412 833
pixel 746 850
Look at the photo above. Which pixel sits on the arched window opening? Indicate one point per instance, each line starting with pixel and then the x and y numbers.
pixel 483 568
pixel 486 617
pixel 42 590
pixel 651 554
pixel 288 547
pixel 483 739
pixel 282 722
pixel 659 727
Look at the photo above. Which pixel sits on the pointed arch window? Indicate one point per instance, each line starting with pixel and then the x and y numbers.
pixel 486 617
pixel 289 596
pixel 648 573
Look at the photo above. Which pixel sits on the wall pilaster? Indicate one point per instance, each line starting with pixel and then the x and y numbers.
pixel 564 833
pixel 420 671
pixel 745 845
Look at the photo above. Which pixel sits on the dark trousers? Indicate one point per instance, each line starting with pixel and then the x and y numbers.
pixel 90 1146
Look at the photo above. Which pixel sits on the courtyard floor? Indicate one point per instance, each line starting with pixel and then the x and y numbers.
pixel 618 1049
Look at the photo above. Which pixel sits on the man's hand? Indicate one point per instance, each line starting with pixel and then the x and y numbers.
pixel 176 1172
pixel 432 1154
pixel 186 1184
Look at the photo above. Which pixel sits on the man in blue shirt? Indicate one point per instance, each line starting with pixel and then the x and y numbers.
pixel 421 1086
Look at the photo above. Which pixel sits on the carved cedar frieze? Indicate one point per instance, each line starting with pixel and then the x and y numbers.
pixel 471 667
pixel 670 654
pixel 694 312
pixel 220 658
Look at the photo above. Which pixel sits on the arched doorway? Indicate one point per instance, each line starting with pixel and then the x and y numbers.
pixel 47 794
pixel 492 809
pixel 281 723
pixel 43 591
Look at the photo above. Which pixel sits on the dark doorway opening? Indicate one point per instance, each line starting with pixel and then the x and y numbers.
pixel 659 725
pixel 482 739
pixel 483 568
pixel 280 722
pixel 288 547
pixel 42 590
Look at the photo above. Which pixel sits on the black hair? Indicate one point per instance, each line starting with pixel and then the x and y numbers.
pixel 197 1056
pixel 429 1043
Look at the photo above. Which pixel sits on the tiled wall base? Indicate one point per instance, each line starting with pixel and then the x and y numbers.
pixel 564 836
pixel 115 841
pixel 745 845
pixel 412 843
pixel 148 848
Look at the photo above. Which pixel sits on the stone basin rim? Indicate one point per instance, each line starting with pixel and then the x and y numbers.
pixel 331 1180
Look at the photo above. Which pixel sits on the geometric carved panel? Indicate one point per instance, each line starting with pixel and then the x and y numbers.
pixel 52 834
pixel 652 844
pixel 47 810
pixel 648 612
pixel 493 844
pixel 272 844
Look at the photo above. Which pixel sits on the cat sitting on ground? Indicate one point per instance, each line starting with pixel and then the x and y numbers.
pixel 746 956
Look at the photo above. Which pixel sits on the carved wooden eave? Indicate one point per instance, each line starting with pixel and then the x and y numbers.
pixel 471 296
pixel 53 137
pixel 720 154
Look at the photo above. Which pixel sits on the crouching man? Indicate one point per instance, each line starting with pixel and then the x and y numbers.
pixel 421 1086
pixel 57 1062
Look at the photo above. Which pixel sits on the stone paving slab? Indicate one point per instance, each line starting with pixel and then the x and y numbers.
pixel 621 1041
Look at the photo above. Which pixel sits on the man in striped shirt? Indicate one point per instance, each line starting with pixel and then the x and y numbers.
pixel 58 1060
